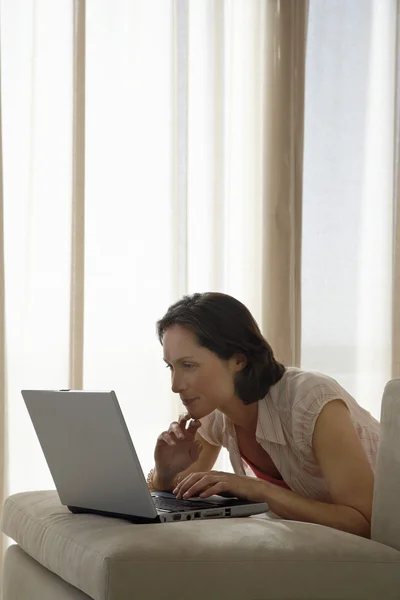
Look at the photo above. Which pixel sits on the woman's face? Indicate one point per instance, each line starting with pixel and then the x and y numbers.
pixel 203 381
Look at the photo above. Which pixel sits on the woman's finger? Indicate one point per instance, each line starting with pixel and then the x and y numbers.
pixel 188 425
pixel 167 438
pixel 176 430
pixel 182 421
pixel 181 485
pixel 193 427
pixel 218 489
pixel 198 486
pixel 186 483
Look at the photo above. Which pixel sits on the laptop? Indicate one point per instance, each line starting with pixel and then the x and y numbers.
pixel 95 467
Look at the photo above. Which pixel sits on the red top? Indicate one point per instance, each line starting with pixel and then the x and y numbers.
pixel 262 475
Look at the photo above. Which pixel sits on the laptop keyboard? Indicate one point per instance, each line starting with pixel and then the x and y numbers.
pixel 175 505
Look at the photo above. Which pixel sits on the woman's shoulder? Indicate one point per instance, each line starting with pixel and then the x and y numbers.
pixel 296 384
pixel 303 394
pixel 301 391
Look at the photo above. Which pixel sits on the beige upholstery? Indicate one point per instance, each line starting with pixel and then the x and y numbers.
pixel 109 559
pixel 25 578
pixel 75 557
pixel 386 514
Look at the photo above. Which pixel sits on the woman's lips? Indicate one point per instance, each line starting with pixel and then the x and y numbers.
pixel 189 401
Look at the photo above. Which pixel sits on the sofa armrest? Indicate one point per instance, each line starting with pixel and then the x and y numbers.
pixel 386 514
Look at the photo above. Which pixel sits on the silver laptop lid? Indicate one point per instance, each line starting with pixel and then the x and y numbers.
pixel 89 451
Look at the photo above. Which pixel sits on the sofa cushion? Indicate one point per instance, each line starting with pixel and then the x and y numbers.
pixel 253 557
pixel 26 578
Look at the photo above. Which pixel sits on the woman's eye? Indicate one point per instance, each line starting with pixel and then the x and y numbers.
pixel 184 365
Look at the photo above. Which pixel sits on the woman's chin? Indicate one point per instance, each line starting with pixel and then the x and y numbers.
pixel 195 414
pixel 194 410
pixel 198 413
pixel 199 407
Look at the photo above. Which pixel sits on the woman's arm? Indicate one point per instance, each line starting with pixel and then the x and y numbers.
pixel 289 505
pixel 346 470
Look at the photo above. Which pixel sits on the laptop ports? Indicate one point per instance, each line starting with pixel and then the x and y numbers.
pixel 197 515
pixel 176 517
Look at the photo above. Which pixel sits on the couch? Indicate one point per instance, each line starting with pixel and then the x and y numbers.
pixel 60 556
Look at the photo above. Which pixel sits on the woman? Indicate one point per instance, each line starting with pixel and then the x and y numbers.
pixel 297 440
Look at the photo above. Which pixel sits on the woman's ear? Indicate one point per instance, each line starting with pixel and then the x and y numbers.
pixel 240 361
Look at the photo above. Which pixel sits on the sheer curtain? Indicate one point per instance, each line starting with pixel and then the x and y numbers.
pixel 138 166
pixel 349 253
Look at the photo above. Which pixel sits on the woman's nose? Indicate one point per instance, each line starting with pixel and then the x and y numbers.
pixel 177 384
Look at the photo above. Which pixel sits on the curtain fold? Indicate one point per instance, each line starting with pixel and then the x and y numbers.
pixel 396 287
pixel 284 80
pixel 78 200
pixel 396 215
pixel 3 395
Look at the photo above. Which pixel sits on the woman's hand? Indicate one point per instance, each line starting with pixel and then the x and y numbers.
pixel 224 484
pixel 177 448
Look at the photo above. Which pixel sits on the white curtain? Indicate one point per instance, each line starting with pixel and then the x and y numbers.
pixel 348 202
pixel 173 193
pixel 36 59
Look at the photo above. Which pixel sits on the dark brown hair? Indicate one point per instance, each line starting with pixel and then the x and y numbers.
pixel 226 327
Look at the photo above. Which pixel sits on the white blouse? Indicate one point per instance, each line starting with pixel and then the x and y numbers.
pixel 285 426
